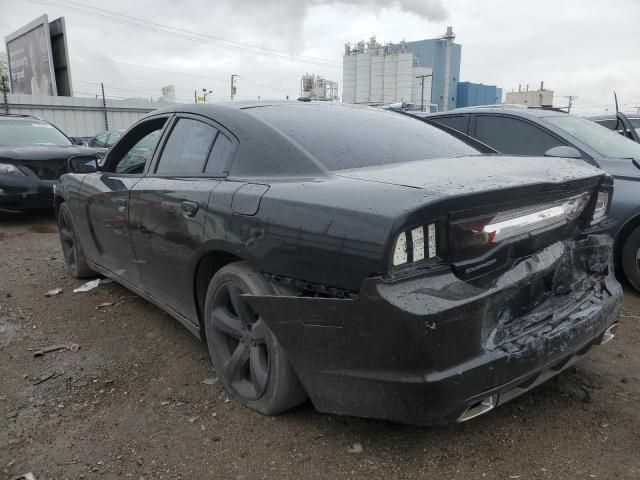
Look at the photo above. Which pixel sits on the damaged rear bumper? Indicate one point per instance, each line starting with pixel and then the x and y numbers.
pixel 434 349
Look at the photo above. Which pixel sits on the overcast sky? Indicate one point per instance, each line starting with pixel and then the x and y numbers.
pixel 587 48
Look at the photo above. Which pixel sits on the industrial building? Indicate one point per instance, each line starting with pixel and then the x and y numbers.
pixel 443 56
pixel 379 74
pixel 473 94
pixel 316 87
pixel 531 98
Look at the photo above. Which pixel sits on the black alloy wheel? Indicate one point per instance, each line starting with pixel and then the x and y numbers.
pixel 68 240
pixel 250 362
pixel 71 246
pixel 241 341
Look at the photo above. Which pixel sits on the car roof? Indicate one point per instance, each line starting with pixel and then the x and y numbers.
pixel 519 111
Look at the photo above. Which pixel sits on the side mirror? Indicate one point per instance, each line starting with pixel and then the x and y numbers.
pixel 83 164
pixel 563 151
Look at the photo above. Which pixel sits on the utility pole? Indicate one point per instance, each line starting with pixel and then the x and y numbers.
pixel 571 99
pixel 195 96
pixel 204 94
pixel 422 77
pixel 104 107
pixel 233 86
pixel 637 110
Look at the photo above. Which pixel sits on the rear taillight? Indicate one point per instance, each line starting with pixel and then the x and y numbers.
pixel 414 245
pixel 479 234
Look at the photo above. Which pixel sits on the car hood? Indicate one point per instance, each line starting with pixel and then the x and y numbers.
pixel 464 175
pixel 44 152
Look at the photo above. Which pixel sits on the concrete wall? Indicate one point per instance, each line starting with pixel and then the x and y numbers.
pixel 79 117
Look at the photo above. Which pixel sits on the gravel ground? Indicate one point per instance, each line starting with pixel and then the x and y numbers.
pixel 131 402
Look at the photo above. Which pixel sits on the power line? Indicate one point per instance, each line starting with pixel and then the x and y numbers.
pixel 184 34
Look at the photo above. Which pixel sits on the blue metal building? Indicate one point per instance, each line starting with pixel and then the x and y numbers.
pixel 433 53
pixel 472 94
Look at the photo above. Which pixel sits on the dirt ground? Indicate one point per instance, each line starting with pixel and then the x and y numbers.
pixel 131 402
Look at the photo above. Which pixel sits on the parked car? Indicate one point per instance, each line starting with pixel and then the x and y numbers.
pixel 33 155
pixel 526 131
pixel 627 125
pixel 359 257
pixel 105 139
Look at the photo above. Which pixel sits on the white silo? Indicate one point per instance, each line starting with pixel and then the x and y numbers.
pixel 404 75
pixel 377 76
pixel 390 67
pixel 363 77
pixel 349 76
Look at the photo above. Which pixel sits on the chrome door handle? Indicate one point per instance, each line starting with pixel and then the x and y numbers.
pixel 190 208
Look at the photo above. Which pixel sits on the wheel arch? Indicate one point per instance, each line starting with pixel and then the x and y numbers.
pixel 621 236
pixel 209 263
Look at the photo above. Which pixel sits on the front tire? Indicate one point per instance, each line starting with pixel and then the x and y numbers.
pixel 631 258
pixel 71 246
pixel 247 357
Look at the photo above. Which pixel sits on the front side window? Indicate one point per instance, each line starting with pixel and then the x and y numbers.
pixel 607 143
pixel 135 149
pixel 187 148
pixel 513 136
pixel 24 133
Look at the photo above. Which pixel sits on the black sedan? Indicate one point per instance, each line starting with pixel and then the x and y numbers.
pixel 33 156
pixel 527 131
pixel 359 257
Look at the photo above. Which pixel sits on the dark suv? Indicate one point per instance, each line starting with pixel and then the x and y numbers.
pixel 528 131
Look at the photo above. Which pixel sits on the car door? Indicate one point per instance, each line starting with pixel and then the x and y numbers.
pixel 107 231
pixel 168 209
pixel 513 136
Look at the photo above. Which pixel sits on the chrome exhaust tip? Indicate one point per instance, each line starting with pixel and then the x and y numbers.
pixel 485 405
pixel 609 334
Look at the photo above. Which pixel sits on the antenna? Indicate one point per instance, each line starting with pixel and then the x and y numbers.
pixel 616 99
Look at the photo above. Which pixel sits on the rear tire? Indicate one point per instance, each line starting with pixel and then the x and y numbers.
pixel 631 258
pixel 251 364
pixel 71 246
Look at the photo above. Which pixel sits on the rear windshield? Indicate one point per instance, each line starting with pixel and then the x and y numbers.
pixel 21 133
pixel 342 137
pixel 607 143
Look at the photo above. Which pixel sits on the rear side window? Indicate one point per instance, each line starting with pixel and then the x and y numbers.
pixel 187 148
pixel 457 122
pixel 221 154
pixel 342 137
pixel 513 136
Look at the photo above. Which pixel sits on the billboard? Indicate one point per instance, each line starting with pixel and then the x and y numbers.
pixel 32 62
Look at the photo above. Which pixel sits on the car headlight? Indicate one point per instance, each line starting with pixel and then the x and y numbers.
pixel 415 244
pixel 601 207
pixel 9 169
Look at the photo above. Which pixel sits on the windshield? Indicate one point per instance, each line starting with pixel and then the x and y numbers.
pixel 343 137
pixel 22 133
pixel 607 143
